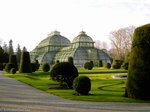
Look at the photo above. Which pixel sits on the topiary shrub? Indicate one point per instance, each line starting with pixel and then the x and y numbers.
pixel 117 64
pixel 13 71
pixel 8 67
pixel 138 81
pixel 64 72
pixel 88 65
pixel 125 64
pixel 100 63
pixel 107 65
pixel 25 64
pixel 45 67
pixel 34 67
pixel 82 85
pixel 13 60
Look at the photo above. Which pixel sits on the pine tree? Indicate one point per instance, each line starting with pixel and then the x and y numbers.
pixel 18 53
pixel 1 54
pixel 5 48
pixel 10 48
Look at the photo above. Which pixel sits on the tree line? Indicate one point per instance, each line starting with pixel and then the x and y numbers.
pixel 7 50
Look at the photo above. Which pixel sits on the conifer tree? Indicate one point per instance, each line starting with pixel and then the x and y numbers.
pixel 10 48
pixel 18 53
pixel 25 64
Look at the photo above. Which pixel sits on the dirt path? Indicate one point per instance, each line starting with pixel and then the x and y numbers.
pixel 16 96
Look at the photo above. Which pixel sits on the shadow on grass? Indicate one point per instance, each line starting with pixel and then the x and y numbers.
pixel 102 87
pixel 59 87
pixel 103 72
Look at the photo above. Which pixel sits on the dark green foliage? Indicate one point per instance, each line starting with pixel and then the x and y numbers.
pixel 46 67
pixel 64 72
pixel 125 64
pixel 4 64
pixel 37 64
pixel 1 54
pixel 107 65
pixel 88 65
pixel 4 57
pixel 18 53
pixel 8 67
pixel 82 85
pixel 13 60
pixel 34 67
pixel 117 64
pixel 1 66
pixel 100 64
pixel 10 48
pixel 25 65
pixel 70 60
pixel 13 71
pixel 138 82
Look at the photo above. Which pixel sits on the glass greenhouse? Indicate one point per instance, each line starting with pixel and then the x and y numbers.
pixel 58 48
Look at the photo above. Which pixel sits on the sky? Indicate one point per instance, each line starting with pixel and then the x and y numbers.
pixel 27 22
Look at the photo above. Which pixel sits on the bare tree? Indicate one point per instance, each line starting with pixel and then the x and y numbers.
pixel 101 44
pixel 121 41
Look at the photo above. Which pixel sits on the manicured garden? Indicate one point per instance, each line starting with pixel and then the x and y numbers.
pixel 104 87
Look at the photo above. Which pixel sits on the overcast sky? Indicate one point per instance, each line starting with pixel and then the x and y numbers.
pixel 27 22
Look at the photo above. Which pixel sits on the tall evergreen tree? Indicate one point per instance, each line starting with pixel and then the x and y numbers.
pixel 1 54
pixel 5 48
pixel 10 48
pixel 6 57
pixel 18 53
pixel 25 64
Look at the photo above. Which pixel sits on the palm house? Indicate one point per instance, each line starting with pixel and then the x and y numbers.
pixel 58 48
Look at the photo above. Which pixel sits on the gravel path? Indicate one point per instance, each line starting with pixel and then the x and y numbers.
pixel 16 96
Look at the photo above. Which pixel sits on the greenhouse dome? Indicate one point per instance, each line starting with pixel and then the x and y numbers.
pixel 47 48
pixel 58 48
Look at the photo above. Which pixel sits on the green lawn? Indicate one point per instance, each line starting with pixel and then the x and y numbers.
pixel 104 87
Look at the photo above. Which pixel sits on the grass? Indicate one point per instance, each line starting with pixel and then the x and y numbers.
pixel 104 87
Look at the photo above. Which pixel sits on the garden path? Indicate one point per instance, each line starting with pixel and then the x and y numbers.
pixel 16 96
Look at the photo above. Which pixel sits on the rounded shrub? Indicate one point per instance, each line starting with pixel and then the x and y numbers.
pixel 34 67
pixel 125 66
pixel 82 85
pixel 138 81
pixel 100 63
pixel 8 67
pixel 107 65
pixel 13 71
pixel 64 72
pixel 88 65
pixel 117 64
pixel 45 67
